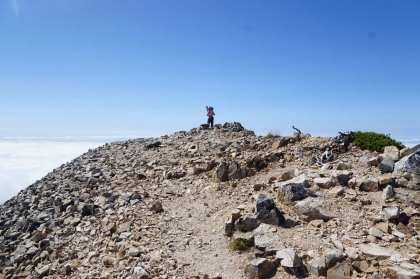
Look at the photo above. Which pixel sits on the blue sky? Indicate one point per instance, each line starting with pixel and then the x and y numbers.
pixel 133 67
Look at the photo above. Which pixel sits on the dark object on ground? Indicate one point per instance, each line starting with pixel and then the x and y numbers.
pixel 299 132
pixel 204 125
pixel 152 145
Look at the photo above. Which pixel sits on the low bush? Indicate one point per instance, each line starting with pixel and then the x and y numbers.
pixel 241 244
pixel 374 141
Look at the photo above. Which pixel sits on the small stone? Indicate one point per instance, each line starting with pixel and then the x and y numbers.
pixel 340 271
pixel 140 273
pixel 391 213
pixel 156 207
pixel 388 193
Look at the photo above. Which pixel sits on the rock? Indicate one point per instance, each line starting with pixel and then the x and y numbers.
pixel 332 257
pixel 410 164
pixel 300 181
pixel 375 251
pixel 133 252
pixel 383 227
pixel 391 213
pixel 342 177
pixel 289 258
pixel 260 268
pixel 140 273
pixel 323 182
pixel 386 179
pixel 247 224
pixel 157 207
pixel 267 212
pixel 264 202
pixel 392 152
pixel 311 209
pixel 109 261
pixel 370 184
pixel 400 273
pixel 291 193
pixel 340 271
pixel 336 191
pixel 387 165
pixel 229 226
pixel 405 152
pixel 273 217
pixel 388 193
pixel 374 161
pixel 317 266
pixel 376 232
pixel 288 174
pixel 38 236
pixel 43 271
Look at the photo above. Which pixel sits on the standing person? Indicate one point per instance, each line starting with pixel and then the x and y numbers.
pixel 210 115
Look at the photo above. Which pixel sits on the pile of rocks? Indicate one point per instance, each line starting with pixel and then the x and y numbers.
pixel 168 207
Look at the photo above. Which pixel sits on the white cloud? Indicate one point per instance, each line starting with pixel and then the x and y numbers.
pixel 24 162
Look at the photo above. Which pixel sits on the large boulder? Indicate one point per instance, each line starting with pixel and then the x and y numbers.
pixel 312 209
pixel 410 164
pixel 267 212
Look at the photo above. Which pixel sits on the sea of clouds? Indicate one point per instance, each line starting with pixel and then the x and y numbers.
pixel 26 160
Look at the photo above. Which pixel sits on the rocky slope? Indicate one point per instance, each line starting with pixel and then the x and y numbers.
pixel 170 207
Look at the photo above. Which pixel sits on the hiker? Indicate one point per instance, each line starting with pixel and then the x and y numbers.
pixel 210 115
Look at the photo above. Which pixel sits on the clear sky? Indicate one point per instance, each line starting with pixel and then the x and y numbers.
pixel 133 67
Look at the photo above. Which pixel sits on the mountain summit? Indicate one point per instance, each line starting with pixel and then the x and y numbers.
pixel 219 203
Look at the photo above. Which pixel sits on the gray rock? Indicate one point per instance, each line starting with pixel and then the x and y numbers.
pixel 140 273
pixel 264 202
pixel 323 182
pixel 260 268
pixel 401 273
pixel 43 271
pixel 301 181
pixel 376 232
pixel 290 193
pixel 387 165
pixel 375 251
pixel 388 193
pixel 364 160
pixel 317 266
pixel 311 209
pixel 333 256
pixel 342 177
pixel 410 164
pixel 267 212
pixel 247 224
pixel 272 217
pixel 289 258
pixel 391 212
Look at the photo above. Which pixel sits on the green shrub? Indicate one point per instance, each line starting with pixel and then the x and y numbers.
pixel 241 244
pixel 374 142
pixel 271 135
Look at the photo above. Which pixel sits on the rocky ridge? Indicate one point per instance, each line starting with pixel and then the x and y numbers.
pixel 169 207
